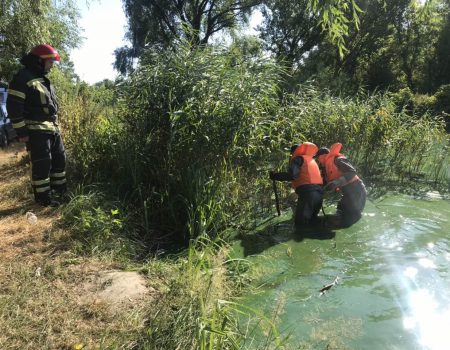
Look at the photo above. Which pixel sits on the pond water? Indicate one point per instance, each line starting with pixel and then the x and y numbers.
pixel 392 273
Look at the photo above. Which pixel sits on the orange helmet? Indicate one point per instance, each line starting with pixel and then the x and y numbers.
pixel 45 51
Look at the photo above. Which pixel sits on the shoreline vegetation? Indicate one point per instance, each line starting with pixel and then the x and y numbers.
pixel 169 163
pixel 164 168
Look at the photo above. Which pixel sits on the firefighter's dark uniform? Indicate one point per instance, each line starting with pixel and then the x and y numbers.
pixel 32 107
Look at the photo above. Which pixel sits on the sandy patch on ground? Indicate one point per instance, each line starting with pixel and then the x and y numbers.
pixel 117 288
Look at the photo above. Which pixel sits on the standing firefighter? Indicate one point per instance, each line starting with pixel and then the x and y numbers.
pixel 304 174
pixel 32 107
pixel 340 176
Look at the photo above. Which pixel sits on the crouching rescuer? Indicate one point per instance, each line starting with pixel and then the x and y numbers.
pixel 306 180
pixel 340 176
pixel 32 107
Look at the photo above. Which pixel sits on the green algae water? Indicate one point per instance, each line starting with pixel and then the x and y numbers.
pixel 390 271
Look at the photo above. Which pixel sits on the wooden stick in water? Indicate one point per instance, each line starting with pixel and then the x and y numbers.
pixel 328 286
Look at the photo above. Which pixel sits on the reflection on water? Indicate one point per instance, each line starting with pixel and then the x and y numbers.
pixel 424 316
pixel 428 320
pixel 393 269
pixel 427 263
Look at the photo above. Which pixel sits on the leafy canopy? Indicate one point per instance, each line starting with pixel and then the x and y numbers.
pixel 162 24
pixel 26 23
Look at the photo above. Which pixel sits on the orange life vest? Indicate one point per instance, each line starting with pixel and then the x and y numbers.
pixel 309 171
pixel 332 172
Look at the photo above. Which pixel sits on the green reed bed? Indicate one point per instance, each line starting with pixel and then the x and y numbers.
pixel 379 140
pixel 194 134
pixel 187 153
pixel 195 311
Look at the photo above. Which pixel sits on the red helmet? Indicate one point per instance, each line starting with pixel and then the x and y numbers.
pixel 45 51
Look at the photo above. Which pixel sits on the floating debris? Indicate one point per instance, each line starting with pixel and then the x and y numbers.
pixel 289 252
pixel 433 195
pixel 328 286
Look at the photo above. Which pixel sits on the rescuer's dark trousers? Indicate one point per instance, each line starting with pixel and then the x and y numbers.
pixel 48 164
pixel 309 203
pixel 351 205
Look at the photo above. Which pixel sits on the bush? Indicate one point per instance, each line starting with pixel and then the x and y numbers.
pixel 442 106
pixel 96 226
pixel 189 116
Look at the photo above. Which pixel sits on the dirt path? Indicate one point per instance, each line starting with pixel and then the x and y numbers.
pixel 49 297
pixel 15 232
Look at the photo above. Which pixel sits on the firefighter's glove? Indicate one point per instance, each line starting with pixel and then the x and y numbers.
pixel 335 184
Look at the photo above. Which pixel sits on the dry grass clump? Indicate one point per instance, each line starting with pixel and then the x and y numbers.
pixel 41 284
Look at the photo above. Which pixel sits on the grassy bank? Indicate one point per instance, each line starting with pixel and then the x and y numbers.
pixel 44 302
pixel 51 296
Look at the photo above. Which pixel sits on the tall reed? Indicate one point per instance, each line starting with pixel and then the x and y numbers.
pixel 195 312
pixel 194 133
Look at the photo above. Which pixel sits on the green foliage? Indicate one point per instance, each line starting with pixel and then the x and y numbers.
pixel 162 25
pixel 96 227
pixel 436 105
pixel 336 17
pixel 398 44
pixel 88 124
pixel 194 313
pixel 26 23
pixel 443 98
pixel 440 66
pixel 380 140
pixel 442 104
pixel 166 23
pixel 290 30
pixel 187 141
pixel 195 132
pixel 190 114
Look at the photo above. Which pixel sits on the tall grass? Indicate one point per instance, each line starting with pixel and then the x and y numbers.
pixel 188 119
pixel 378 139
pixel 195 312
pixel 95 225
pixel 189 143
pixel 89 127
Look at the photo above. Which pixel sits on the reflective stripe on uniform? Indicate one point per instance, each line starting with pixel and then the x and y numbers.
pixel 34 125
pixel 42 189
pixel 17 93
pixel 40 182
pixel 58 178
pixel 34 81
pixel 61 174
pixel 37 83
pixel 18 125
pixel 41 127
pixel 58 182
pixel 40 88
